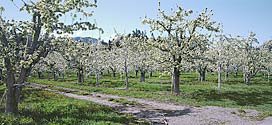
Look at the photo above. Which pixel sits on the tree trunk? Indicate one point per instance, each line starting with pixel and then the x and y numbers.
pixel 12 94
pixel 236 72
pixel 268 76
pixel 136 73
pixel 11 102
pixel 126 80
pixel 201 74
pixel 121 75
pixel 80 77
pixel 226 75
pixel 97 78
pixel 114 73
pixel 142 76
pixel 126 75
pixel 175 81
pixel 1 74
pixel 227 72
pixel 55 76
pixel 150 74
pixel 62 74
pixel 219 76
pixel 246 78
pixel 39 75
pixel 48 75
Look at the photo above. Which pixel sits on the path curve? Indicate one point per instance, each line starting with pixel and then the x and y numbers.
pixel 162 113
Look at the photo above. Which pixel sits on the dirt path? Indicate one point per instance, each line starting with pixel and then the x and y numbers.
pixel 161 113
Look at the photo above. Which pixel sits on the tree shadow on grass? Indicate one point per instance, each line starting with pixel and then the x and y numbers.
pixel 76 115
pixel 253 98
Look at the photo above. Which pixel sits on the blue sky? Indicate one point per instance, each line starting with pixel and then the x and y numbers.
pixel 237 16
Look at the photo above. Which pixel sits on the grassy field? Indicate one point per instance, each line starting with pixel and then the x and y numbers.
pixel 234 93
pixel 42 107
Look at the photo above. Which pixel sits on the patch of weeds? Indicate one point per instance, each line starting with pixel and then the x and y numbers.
pixel 241 111
pixel 261 116
pixel 233 112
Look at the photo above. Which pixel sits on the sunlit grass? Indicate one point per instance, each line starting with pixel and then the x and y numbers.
pixel 234 93
pixel 42 107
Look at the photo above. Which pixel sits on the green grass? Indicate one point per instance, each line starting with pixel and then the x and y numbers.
pixel 234 93
pixel 43 107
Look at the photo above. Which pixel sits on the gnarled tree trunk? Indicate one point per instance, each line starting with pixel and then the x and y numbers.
pixel 12 101
pixel 14 87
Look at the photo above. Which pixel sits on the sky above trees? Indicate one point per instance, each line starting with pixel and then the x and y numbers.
pixel 238 17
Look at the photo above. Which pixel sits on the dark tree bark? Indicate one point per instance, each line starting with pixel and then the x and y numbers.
pixel 39 75
pixel 80 77
pixel 1 74
pixel 126 80
pixel 202 74
pixel 114 74
pixel 175 81
pixel 142 76
pixel 13 91
pixel 11 102
pixel 150 74
pixel 226 75
pixel 136 73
